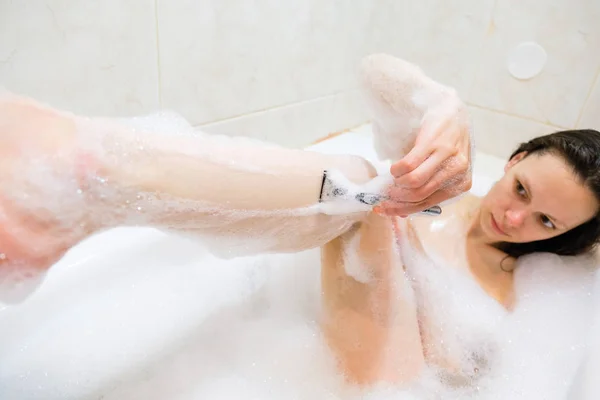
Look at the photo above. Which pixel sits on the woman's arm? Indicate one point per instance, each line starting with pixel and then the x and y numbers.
pixel 421 126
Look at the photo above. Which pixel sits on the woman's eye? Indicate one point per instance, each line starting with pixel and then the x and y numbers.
pixel 520 189
pixel 546 222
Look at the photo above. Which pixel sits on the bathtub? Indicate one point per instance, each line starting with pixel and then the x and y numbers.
pixel 124 315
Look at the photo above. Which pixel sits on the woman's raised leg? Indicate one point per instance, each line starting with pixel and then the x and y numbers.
pixel 370 318
pixel 65 177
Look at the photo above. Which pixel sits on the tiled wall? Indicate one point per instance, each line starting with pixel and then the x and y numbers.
pixel 284 70
pixel 567 92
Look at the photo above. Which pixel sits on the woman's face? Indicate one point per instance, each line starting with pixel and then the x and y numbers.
pixel 537 198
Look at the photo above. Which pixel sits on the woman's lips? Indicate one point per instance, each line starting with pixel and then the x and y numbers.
pixel 496 227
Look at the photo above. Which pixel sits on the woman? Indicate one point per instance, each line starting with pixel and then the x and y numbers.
pixel 547 201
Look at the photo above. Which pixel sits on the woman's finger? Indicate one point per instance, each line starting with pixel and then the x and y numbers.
pixel 419 176
pixel 416 156
pixel 449 175
pixel 406 208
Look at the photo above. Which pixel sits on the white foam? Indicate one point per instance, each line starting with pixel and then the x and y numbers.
pixel 249 329
pixel 167 320
pixel 164 319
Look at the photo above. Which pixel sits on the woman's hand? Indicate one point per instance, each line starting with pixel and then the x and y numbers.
pixel 439 165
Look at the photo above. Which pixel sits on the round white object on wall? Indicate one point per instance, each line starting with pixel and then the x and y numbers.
pixel 526 60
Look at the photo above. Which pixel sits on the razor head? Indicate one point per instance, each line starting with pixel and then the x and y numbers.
pixel 369 198
pixel 330 191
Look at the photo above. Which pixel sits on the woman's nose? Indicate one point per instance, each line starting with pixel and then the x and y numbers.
pixel 515 217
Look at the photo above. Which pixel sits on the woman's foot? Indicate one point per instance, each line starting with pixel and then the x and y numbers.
pixel 42 205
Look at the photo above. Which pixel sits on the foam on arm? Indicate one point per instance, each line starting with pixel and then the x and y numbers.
pixel 400 97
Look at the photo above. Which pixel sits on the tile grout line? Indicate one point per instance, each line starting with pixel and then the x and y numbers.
pixel 500 112
pixel 480 58
pixel 278 107
pixel 158 69
pixel 587 98
pixel 508 114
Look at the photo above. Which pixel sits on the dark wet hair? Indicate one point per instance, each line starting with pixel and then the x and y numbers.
pixel 580 149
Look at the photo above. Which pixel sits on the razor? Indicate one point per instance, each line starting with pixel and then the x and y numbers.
pixel 329 190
